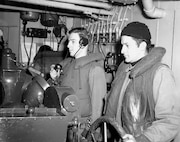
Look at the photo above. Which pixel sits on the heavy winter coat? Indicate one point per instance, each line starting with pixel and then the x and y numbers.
pixel 143 99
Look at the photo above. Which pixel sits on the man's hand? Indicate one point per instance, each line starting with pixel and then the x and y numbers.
pixel 54 73
pixel 128 138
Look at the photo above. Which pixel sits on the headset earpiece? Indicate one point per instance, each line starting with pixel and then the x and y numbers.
pixel 83 41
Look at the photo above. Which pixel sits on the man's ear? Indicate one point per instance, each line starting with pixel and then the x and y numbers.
pixel 143 45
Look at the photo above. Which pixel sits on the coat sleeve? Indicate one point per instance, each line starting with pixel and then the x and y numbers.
pixel 97 81
pixel 167 107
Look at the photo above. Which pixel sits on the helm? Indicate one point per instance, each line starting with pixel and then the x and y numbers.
pixel 34 94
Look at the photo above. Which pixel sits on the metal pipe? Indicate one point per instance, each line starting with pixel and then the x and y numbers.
pixel 61 5
pixel 34 10
pixel 87 3
pixel 151 10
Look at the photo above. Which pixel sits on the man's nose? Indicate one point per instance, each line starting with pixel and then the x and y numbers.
pixel 122 50
pixel 68 46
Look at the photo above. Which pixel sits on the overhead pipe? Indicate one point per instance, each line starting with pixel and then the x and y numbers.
pixel 151 10
pixel 33 10
pixel 97 4
pixel 68 6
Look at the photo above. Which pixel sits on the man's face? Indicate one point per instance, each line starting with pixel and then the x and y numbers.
pixel 130 49
pixel 73 44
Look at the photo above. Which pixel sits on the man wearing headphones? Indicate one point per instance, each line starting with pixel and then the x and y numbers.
pixel 84 72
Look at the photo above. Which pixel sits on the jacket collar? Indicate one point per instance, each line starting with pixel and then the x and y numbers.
pixel 80 62
pixel 154 56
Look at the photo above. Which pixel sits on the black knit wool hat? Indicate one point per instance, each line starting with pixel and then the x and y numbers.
pixel 137 30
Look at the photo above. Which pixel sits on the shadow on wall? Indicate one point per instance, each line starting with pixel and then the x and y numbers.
pixel 43 61
pixel 119 56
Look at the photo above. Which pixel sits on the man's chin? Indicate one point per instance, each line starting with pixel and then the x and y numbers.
pixel 71 54
pixel 127 61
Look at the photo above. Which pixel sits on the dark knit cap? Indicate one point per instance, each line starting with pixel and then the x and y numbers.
pixel 137 30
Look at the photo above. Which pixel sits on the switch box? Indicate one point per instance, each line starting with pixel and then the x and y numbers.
pixel 36 32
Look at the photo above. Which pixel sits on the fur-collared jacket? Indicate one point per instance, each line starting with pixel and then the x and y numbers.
pixel 144 99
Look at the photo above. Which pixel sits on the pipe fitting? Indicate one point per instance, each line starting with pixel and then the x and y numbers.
pixel 151 10
pixel 155 12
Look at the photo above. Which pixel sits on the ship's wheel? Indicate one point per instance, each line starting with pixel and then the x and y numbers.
pixel 105 129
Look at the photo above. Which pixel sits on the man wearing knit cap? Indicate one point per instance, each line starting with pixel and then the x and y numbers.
pixel 143 98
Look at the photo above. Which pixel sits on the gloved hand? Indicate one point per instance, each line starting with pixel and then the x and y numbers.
pixel 55 72
pixel 128 138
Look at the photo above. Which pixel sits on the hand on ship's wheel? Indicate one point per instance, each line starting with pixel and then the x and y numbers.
pixel 114 130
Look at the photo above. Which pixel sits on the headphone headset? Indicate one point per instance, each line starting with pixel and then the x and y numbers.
pixel 83 34
pixel 83 41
